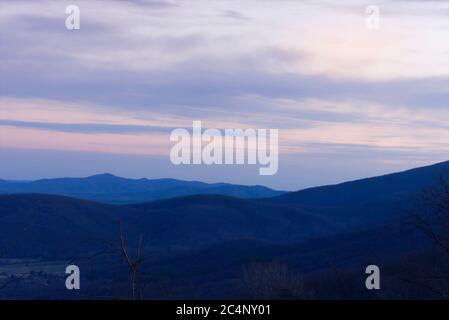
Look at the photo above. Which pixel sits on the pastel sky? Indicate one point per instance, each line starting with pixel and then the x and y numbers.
pixel 349 102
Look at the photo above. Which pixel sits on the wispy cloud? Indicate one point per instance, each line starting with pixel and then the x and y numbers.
pixel 138 68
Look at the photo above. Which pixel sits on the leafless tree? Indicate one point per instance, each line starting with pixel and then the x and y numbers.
pixel 132 264
pixel 432 213
pixel 431 216
pixel 110 250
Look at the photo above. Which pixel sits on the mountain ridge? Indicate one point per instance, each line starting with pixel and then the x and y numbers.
pixel 403 182
pixel 109 188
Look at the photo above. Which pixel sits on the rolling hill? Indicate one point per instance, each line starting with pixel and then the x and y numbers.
pixel 49 225
pixel 112 189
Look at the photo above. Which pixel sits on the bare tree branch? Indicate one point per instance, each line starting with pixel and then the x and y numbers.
pixel 132 265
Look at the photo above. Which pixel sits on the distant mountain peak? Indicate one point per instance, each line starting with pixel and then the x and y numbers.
pixel 103 175
pixel 107 177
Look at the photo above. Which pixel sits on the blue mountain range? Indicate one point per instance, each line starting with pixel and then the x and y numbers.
pixel 112 189
pixel 206 233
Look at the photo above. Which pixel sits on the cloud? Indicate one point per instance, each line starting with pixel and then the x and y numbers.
pixel 305 38
pixel 135 69
pixel 233 14
pixel 84 127
pixel 136 53
pixel 302 123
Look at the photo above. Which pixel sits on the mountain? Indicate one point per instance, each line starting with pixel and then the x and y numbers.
pixel 367 201
pixel 196 221
pixel 369 189
pixel 40 225
pixel 202 220
pixel 323 233
pixel 111 189
pixel 49 225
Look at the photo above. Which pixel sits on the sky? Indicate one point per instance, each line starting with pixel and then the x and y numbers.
pixel 349 101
